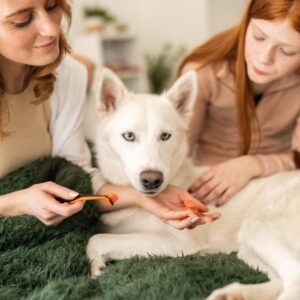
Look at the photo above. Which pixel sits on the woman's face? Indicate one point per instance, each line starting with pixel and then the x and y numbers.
pixel 272 50
pixel 29 31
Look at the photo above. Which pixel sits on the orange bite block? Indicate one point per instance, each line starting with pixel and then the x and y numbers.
pixel 109 198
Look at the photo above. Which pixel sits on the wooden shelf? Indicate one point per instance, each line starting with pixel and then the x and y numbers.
pixel 119 52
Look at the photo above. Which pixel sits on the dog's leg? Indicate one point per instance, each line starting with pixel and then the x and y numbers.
pixel 247 254
pixel 266 245
pixel 103 248
pixel 291 288
pixel 236 291
pixel 291 291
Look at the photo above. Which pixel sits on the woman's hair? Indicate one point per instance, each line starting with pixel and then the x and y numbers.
pixel 45 75
pixel 230 45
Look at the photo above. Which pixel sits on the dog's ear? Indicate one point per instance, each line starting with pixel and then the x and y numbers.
pixel 183 93
pixel 111 91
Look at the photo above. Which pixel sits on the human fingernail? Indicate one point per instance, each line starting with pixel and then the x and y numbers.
pixel 194 219
pixel 73 194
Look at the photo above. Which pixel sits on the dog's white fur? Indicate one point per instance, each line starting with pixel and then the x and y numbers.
pixel 261 222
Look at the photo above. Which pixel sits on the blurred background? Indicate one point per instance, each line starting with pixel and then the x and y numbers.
pixel 143 41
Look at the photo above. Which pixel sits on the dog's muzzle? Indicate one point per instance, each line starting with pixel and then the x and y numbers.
pixel 151 180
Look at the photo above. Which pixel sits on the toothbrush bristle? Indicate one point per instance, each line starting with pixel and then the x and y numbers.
pixel 113 197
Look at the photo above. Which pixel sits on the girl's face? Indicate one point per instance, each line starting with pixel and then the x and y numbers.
pixel 29 31
pixel 272 50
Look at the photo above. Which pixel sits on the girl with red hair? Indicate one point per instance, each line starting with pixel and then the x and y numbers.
pixel 246 120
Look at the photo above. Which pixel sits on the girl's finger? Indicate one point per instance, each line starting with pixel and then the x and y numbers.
pixel 206 189
pixel 200 181
pixel 226 196
pixel 215 193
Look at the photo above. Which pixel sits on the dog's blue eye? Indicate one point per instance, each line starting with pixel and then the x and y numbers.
pixel 129 136
pixel 165 136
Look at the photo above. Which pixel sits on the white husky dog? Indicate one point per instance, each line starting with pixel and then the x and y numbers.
pixel 141 142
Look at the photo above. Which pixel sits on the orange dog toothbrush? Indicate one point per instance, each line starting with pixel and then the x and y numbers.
pixel 109 198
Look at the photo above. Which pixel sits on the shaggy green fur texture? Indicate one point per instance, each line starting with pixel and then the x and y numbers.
pixel 39 262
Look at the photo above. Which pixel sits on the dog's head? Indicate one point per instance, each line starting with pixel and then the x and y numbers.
pixel 141 138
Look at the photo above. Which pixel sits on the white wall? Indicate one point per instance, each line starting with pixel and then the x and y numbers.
pixel 180 22
pixel 223 14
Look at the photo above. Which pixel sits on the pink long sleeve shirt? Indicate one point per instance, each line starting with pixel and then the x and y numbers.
pixel 214 131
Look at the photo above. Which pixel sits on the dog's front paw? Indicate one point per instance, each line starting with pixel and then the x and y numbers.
pixel 97 268
pixel 229 292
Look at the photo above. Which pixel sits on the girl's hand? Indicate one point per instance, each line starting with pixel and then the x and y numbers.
pixel 169 207
pixel 39 201
pixel 222 181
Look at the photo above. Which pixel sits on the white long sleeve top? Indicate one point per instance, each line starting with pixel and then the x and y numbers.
pixel 67 111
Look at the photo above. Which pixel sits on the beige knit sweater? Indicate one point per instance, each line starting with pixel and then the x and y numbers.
pixel 27 125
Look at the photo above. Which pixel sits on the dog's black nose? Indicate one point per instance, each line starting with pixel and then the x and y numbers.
pixel 151 179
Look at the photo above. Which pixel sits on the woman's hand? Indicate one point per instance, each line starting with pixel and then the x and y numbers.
pixel 168 205
pixel 39 201
pixel 222 181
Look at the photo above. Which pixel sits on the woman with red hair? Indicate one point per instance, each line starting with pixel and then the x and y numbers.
pixel 246 119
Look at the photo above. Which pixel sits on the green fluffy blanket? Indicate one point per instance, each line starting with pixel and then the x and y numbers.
pixel 39 262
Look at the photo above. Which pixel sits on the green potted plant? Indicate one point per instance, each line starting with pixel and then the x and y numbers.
pixel 97 18
pixel 161 66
